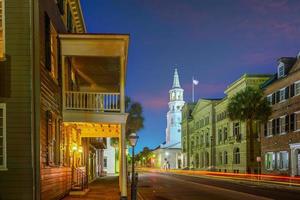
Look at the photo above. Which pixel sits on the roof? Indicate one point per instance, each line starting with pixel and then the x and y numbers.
pixel 289 63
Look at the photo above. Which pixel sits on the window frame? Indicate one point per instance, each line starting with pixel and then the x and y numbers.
pixel 281 66
pixel 295 88
pixel 272 163
pixel 282 125
pixel 278 161
pixel 270 128
pixel 269 99
pixel 282 94
pixel 3 167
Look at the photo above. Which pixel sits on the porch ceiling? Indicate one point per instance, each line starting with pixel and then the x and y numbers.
pixel 99 73
pixel 96 130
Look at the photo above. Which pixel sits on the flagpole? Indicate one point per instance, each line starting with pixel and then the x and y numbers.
pixel 193 89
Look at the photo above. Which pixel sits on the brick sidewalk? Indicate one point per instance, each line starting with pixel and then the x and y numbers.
pixel 105 188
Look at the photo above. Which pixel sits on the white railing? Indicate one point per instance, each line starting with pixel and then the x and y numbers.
pixel 92 101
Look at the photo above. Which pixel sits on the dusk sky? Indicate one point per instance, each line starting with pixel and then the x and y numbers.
pixel 216 41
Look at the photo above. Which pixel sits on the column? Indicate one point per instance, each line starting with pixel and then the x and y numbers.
pixel 122 161
pixel 293 162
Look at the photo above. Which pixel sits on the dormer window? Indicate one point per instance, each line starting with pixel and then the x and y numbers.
pixel 281 70
pixel 298 56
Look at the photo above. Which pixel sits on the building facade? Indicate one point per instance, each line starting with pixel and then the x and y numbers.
pixel 168 154
pixel 186 125
pixel 202 135
pixel 58 103
pixel 236 150
pixel 213 141
pixel 280 138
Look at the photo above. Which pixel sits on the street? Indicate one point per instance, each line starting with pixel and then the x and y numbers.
pixel 157 186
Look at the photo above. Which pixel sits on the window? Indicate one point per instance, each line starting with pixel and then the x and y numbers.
pixel 225 157
pixel 270 128
pixel 206 140
pixel 220 158
pixel 225 133
pixel 236 129
pixel 283 160
pixel 2 26
pixel 2 136
pixel 53 139
pixel 282 95
pixel 236 156
pixel 51 48
pixel 281 71
pixel 282 125
pixel 270 160
pixel 220 136
pixel 269 99
pixel 297 88
pixel 105 162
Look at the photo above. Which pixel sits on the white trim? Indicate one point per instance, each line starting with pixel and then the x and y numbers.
pixel 4 166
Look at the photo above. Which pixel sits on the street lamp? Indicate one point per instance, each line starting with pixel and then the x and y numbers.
pixel 133 140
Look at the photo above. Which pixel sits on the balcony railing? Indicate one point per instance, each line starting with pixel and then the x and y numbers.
pixel 92 101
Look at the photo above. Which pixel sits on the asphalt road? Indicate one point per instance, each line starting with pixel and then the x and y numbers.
pixel 157 186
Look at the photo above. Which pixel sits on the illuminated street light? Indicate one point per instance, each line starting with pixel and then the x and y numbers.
pixel 133 140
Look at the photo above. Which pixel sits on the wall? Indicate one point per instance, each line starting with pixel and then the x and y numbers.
pixel 17 181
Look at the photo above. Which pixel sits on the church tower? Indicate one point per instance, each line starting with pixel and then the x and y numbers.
pixel 176 102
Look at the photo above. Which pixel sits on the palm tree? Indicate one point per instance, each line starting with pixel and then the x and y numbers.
pixel 135 120
pixel 250 106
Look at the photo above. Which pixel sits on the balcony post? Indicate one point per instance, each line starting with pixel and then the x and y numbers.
pixel 122 84
pixel 63 82
pixel 122 160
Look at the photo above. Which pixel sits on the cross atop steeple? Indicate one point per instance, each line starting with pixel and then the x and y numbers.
pixel 176 83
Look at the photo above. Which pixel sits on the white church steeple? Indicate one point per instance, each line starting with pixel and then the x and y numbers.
pixel 176 102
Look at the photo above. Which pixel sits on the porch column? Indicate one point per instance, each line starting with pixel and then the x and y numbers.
pixel 122 160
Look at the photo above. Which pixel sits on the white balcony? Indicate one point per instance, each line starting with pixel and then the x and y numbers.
pixel 92 101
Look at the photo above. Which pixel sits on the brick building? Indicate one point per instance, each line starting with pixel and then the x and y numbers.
pixel 280 136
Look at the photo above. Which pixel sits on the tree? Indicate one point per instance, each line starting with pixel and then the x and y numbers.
pixel 135 119
pixel 250 106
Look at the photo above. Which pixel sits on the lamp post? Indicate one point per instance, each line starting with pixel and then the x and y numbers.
pixel 133 140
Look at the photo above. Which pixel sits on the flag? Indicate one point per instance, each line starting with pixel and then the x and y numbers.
pixel 195 82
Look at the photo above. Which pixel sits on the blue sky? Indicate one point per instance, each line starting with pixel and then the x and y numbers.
pixel 216 41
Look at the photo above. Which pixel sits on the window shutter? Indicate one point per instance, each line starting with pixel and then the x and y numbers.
pixel 277 125
pixel 273 126
pixel 292 90
pixel 277 96
pixel 59 63
pixel 292 122
pixel 287 123
pixel 265 129
pixel 287 91
pixel 47 43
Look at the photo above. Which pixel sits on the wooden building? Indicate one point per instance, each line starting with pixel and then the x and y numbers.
pixel 280 137
pixel 62 92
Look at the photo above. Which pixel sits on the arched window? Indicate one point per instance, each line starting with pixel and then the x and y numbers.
pixel 225 157
pixel 236 156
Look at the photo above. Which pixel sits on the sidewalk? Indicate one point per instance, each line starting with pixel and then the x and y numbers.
pixel 105 188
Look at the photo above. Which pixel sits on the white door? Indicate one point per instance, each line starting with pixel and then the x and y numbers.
pixel 298 172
